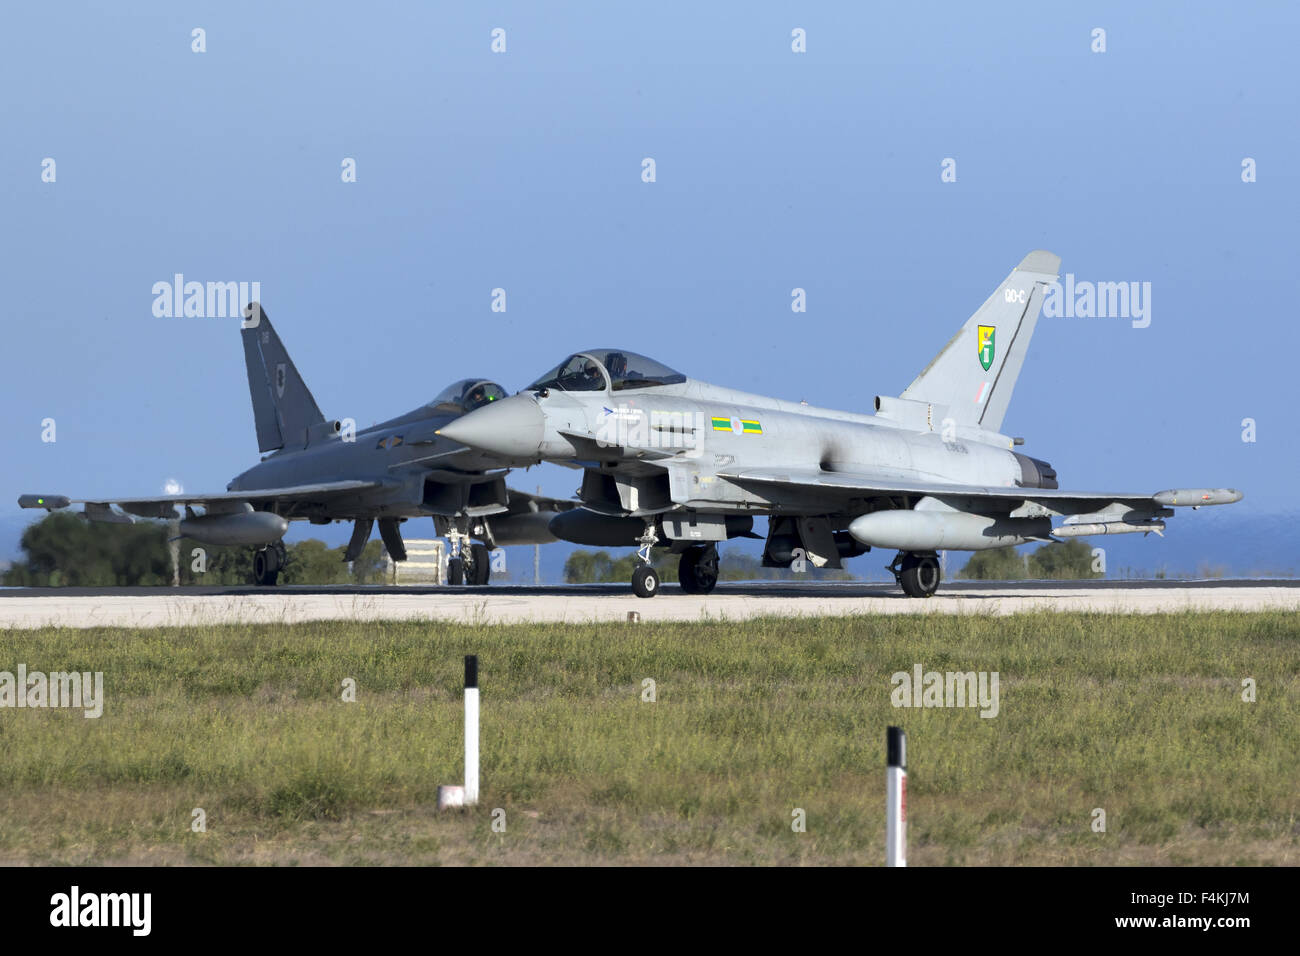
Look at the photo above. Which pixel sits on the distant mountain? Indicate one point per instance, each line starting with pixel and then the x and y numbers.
pixel 1226 541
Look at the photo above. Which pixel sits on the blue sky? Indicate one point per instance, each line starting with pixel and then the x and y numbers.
pixel 522 171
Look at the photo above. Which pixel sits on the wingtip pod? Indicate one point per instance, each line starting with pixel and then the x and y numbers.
pixel 48 502
pixel 1196 497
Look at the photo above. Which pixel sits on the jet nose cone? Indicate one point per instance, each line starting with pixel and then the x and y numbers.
pixel 511 428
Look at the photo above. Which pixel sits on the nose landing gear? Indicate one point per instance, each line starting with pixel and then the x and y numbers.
pixel 469 562
pixel 480 565
pixel 645 579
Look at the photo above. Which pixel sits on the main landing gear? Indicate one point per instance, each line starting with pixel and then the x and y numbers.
pixel 268 563
pixel 917 572
pixel 698 569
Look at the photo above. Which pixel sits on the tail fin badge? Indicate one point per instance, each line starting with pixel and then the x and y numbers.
pixel 984 342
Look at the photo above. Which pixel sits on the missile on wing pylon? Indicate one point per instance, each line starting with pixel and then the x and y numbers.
pixel 1108 527
pixel 1195 497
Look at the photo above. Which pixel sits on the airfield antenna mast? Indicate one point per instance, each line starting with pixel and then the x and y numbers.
pixel 174 550
pixel 537 555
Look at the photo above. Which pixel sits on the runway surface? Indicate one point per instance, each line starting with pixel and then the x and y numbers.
pixel 156 607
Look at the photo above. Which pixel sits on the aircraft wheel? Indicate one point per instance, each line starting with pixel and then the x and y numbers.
pixel 266 567
pixel 920 575
pixel 455 571
pixel 697 571
pixel 645 581
pixel 480 565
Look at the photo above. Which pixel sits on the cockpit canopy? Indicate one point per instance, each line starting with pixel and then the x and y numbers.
pixel 467 395
pixel 618 369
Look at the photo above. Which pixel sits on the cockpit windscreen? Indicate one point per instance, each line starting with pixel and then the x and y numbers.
pixel 468 394
pixel 590 371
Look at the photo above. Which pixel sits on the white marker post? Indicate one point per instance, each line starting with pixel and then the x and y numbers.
pixel 895 797
pixel 471 730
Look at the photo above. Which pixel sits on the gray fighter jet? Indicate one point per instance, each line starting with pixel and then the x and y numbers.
pixel 326 471
pixel 668 459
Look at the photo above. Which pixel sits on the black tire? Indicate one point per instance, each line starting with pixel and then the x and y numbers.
pixel 697 571
pixel 645 581
pixel 480 565
pixel 920 575
pixel 266 568
pixel 455 571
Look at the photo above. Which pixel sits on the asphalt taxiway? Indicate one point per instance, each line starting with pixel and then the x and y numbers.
pixel 158 607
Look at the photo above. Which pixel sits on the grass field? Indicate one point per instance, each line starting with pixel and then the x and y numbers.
pixel 1139 715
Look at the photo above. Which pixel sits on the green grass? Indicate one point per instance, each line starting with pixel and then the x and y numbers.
pixel 1139 715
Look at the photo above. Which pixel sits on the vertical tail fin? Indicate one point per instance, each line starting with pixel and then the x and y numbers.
pixel 976 372
pixel 283 409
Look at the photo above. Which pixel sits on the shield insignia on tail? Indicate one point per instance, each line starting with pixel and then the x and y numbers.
pixel 984 342
pixel 279 380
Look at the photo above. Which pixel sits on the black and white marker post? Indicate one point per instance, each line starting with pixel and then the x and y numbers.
pixel 895 797
pixel 466 795
pixel 471 730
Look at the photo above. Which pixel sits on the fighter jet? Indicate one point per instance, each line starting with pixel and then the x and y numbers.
pixel 327 471
pixel 675 461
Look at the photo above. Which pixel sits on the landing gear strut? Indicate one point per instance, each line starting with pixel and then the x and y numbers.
pixel 645 579
pixel 268 563
pixel 917 572
pixel 698 569
pixel 455 563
